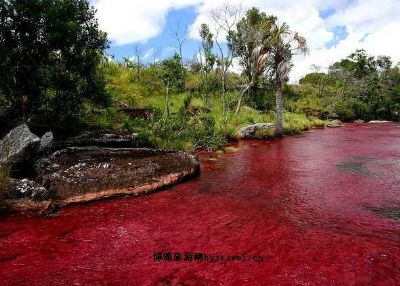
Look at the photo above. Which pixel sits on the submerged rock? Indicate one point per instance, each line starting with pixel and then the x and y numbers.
pixel 18 146
pixel 335 123
pixel 256 131
pixel 89 173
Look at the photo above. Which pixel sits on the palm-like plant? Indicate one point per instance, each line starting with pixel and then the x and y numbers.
pixel 274 54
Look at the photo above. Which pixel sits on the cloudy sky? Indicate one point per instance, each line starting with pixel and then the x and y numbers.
pixel 333 28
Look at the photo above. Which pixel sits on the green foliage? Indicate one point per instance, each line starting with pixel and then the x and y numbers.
pixel 193 82
pixel 246 37
pixel 207 44
pixel 358 87
pixel 295 123
pixel 173 74
pixel 49 56
pixel 189 126
pixel 182 132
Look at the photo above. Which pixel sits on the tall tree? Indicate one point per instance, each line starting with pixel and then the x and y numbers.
pixel 49 55
pixel 138 54
pixel 181 36
pixel 275 53
pixel 247 36
pixel 207 44
pixel 225 20
pixel 173 76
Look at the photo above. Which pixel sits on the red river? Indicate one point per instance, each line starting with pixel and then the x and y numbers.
pixel 321 208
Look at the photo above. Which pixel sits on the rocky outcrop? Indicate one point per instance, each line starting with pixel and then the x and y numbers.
pixel 27 189
pixel 256 131
pixel 46 143
pixel 18 146
pixel 85 174
pixel 103 138
pixel 81 174
pixel 335 123
pixel 24 195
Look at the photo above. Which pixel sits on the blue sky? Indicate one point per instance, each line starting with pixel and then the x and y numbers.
pixel 333 28
pixel 164 45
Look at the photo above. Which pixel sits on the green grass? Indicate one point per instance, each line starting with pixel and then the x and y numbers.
pixel 193 123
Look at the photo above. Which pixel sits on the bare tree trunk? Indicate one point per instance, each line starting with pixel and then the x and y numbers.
pixel 138 69
pixel 223 92
pixel 247 89
pixel 166 102
pixel 180 54
pixel 241 97
pixel 279 108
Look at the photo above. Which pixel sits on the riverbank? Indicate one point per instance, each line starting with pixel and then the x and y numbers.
pixel 313 206
pixel 94 174
pixel 42 175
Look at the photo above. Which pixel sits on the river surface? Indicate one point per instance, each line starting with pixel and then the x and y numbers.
pixel 321 208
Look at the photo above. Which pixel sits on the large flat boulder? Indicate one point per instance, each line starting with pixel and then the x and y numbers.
pixel 18 146
pixel 89 173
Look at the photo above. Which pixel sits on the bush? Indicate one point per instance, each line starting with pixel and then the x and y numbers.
pixel 179 131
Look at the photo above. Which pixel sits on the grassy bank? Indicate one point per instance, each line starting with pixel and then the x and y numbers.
pixel 192 123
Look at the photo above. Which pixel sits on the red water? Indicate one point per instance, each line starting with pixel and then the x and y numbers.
pixel 303 205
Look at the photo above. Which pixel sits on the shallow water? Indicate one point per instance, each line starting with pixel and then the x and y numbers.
pixel 321 208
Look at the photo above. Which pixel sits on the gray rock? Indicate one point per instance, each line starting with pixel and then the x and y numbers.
pixel 379 121
pixel 46 143
pixel 18 146
pixel 335 123
pixel 28 189
pixel 255 131
pixel 103 138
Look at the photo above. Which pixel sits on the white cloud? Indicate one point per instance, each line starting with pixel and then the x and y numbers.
pixel 371 24
pixel 135 21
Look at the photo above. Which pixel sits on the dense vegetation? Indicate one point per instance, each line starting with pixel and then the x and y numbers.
pixel 358 87
pixel 54 72
pixel 50 51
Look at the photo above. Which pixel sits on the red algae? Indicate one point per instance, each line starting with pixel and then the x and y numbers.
pixel 309 208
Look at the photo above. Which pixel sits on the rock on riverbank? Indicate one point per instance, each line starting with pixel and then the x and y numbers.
pixel 84 174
